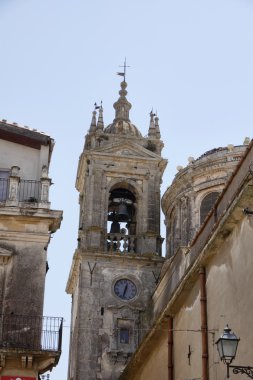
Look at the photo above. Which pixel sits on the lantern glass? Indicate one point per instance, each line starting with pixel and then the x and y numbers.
pixel 220 348
pixel 227 345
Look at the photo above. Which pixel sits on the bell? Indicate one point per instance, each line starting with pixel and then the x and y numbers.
pixel 123 215
pixel 115 228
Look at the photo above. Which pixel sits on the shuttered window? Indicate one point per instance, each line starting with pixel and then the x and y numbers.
pixel 4 175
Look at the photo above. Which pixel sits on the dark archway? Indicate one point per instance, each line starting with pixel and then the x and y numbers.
pixel 207 204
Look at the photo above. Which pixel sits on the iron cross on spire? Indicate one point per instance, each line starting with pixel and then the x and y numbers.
pixel 124 73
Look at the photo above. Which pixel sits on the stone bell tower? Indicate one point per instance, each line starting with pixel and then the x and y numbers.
pixel 118 260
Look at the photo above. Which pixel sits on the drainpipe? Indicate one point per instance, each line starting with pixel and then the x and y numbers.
pixel 170 349
pixel 204 327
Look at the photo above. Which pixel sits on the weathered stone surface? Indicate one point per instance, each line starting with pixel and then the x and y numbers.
pixel 116 167
pixel 26 222
pixel 183 201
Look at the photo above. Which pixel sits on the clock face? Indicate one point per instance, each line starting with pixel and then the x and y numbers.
pixel 125 289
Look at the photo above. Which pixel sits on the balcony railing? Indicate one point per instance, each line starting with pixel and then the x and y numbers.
pixel 27 191
pixel 19 332
pixel 121 243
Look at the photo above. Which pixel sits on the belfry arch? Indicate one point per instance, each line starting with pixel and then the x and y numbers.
pixel 122 217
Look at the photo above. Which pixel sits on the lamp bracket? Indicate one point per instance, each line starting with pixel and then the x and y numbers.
pixel 242 370
pixel 247 211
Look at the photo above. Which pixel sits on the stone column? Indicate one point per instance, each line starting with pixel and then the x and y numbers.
pixel 45 183
pixel 14 180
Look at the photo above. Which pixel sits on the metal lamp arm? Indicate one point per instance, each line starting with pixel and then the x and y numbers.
pixel 246 370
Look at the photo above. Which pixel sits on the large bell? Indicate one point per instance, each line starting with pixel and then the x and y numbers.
pixel 122 215
pixel 115 227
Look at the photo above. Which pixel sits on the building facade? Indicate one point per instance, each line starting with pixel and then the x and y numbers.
pixel 30 344
pixel 192 194
pixel 118 259
pixel 204 285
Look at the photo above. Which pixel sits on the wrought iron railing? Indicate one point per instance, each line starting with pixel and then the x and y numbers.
pixel 28 191
pixel 30 333
pixel 45 376
pixel 121 243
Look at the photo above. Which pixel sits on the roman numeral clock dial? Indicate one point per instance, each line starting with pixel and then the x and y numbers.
pixel 125 289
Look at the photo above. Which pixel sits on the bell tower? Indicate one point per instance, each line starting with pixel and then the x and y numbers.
pixel 118 260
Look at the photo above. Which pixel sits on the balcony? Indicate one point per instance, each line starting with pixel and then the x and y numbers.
pixel 33 334
pixel 29 193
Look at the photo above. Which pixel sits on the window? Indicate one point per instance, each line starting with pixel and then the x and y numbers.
pixel 207 204
pixel 4 183
pixel 124 335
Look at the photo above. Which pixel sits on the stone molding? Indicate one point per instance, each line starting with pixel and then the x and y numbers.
pixel 5 255
pixel 31 237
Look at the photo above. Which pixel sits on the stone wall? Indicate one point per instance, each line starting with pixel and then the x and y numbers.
pixel 222 249
pixel 183 200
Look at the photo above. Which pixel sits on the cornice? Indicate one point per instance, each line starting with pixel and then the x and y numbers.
pixel 101 257
pixel 32 237
pixel 30 212
pixel 210 164
pixel 51 218
pixel 5 255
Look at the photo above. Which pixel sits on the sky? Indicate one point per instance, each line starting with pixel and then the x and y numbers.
pixel 191 61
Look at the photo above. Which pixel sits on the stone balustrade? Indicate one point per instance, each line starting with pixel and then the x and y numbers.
pixel 121 243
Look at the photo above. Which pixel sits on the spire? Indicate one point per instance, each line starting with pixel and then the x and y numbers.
pixel 122 106
pixel 100 124
pixel 157 129
pixel 93 124
pixel 152 128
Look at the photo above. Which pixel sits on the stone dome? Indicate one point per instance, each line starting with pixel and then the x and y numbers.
pixel 194 191
pixel 123 127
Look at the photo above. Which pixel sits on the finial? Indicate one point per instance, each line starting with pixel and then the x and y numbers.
pixel 100 124
pixel 93 124
pixel 246 141
pixel 157 128
pixel 191 160
pixel 230 147
pixel 122 106
pixel 123 74
pixel 152 129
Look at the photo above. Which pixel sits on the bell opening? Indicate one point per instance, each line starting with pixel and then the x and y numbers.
pixel 121 212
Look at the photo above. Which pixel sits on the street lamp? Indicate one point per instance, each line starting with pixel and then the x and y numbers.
pixel 227 347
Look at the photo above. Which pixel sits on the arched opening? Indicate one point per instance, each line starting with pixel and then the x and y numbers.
pixel 207 204
pixel 121 212
pixel 171 232
pixel 121 219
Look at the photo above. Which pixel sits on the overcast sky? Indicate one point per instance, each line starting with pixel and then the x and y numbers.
pixel 192 61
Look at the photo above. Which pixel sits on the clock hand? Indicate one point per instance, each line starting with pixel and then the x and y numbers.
pixel 125 289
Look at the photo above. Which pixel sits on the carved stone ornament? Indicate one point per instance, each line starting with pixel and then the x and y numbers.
pixel 5 254
pixel 15 171
pixel 44 171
